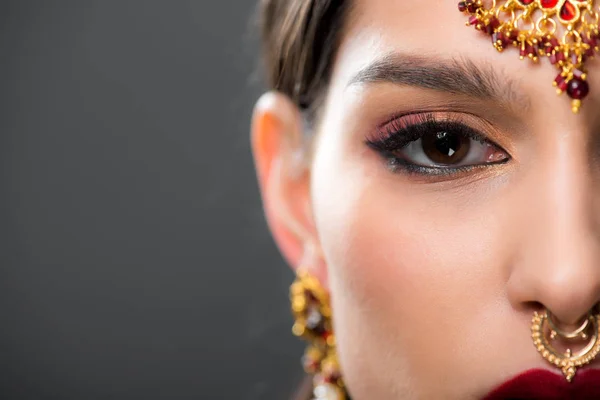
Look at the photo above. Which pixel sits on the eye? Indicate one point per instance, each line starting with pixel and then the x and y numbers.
pixel 427 146
pixel 448 148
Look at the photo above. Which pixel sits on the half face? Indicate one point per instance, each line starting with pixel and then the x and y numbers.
pixel 454 194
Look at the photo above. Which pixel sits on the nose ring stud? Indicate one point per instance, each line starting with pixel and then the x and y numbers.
pixel 545 330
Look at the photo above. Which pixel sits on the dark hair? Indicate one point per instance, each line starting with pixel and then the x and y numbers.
pixel 299 41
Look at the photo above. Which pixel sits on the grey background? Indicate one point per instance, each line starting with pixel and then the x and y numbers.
pixel 135 262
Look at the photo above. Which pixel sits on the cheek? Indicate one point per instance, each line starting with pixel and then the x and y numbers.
pixel 404 265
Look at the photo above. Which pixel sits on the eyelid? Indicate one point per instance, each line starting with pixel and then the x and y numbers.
pixel 397 134
pixel 403 128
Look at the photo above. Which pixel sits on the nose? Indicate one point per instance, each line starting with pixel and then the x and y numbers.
pixel 558 262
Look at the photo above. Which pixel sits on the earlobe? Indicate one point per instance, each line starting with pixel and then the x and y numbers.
pixel 284 178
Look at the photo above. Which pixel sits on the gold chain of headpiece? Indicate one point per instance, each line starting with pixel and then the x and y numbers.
pixel 532 26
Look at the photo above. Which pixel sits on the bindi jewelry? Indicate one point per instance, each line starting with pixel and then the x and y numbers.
pixel 312 314
pixel 547 334
pixel 532 26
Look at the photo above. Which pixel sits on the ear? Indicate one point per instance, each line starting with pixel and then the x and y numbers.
pixel 283 169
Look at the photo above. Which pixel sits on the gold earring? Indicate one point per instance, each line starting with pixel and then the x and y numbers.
pixel 312 313
pixel 545 330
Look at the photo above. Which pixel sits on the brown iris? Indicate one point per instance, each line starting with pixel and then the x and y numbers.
pixel 445 147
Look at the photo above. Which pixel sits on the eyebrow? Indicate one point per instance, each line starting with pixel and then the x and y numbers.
pixel 455 75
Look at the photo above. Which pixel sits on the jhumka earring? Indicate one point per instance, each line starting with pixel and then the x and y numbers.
pixel 312 313
pixel 547 334
pixel 531 26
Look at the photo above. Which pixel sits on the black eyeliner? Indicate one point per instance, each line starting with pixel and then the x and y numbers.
pixel 396 138
pixel 398 133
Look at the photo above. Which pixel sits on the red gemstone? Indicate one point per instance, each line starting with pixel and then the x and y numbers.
pixel 563 86
pixel 492 26
pixel 549 3
pixel 559 78
pixel 495 23
pixel 561 83
pixel 473 20
pixel 526 2
pixel 500 40
pixel 578 89
pixel 589 52
pixel 553 59
pixel 462 6
pixel 545 45
pixel 568 11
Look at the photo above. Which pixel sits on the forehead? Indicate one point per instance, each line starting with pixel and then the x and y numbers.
pixel 408 14
pixel 434 28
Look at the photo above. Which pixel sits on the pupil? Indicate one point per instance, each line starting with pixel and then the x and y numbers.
pixel 445 147
pixel 446 144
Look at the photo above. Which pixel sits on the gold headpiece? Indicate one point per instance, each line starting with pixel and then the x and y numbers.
pixel 531 26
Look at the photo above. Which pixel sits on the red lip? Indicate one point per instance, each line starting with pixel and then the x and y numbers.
pixel 540 384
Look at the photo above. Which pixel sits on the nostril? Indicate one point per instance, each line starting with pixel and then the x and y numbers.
pixel 534 306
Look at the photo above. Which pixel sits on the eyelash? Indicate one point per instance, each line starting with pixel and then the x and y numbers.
pixel 400 132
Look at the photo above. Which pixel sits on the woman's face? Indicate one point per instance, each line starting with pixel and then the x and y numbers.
pixel 435 271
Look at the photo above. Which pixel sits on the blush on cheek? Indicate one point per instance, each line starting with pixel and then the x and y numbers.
pixel 371 261
pixel 375 241
pixel 402 268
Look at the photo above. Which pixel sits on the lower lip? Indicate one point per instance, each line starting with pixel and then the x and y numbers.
pixel 544 385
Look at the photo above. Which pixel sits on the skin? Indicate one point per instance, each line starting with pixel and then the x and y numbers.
pixel 434 280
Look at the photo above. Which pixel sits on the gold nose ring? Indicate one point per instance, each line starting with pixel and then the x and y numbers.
pixel 545 330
